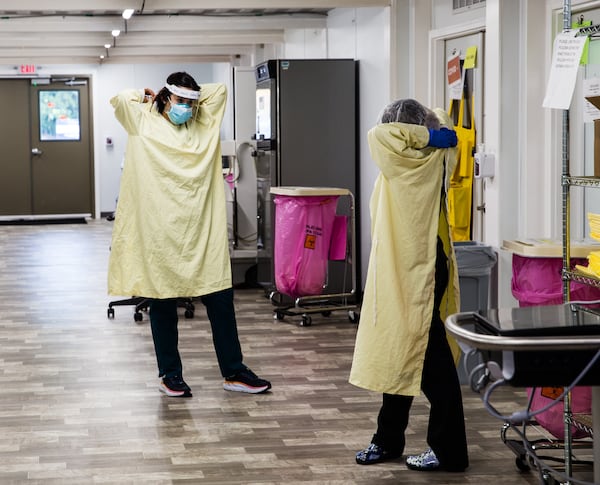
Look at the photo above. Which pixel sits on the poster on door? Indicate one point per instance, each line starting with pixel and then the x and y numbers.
pixel 454 76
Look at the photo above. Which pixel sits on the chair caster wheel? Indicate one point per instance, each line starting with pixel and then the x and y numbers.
pixel 306 321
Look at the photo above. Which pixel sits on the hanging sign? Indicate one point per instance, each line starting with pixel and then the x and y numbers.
pixel 563 72
pixel 470 57
pixel 454 77
pixel 586 49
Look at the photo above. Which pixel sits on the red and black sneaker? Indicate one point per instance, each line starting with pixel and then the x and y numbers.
pixel 246 381
pixel 175 387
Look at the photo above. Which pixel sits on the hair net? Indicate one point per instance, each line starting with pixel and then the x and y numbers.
pixel 409 111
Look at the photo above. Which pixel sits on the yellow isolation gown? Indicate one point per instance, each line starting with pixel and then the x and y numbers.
pixel 399 291
pixel 170 231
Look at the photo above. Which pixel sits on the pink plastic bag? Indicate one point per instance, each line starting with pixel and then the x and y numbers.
pixel 538 281
pixel 303 227
pixel 339 239
pixel 553 419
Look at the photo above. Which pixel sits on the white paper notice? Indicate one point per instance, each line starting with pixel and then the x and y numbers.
pixel 591 87
pixel 563 73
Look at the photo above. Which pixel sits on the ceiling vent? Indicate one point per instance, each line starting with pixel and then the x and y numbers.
pixel 462 4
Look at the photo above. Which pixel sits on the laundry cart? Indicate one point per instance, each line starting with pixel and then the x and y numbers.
pixel 309 237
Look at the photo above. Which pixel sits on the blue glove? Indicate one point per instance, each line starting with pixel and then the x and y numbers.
pixel 442 138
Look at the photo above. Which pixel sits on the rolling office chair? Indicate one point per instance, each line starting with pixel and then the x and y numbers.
pixel 141 305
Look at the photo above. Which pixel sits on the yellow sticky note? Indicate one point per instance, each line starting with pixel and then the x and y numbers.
pixel 470 57
pixel 586 47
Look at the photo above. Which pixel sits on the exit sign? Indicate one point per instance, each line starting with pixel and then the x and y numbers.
pixel 27 69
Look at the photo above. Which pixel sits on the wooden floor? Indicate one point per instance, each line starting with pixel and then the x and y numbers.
pixel 79 402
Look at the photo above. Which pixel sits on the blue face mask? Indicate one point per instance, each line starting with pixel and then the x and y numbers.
pixel 179 113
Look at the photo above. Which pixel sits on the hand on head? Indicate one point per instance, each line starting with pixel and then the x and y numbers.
pixel 149 95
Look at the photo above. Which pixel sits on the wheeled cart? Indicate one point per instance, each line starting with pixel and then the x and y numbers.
pixel 308 234
pixel 556 345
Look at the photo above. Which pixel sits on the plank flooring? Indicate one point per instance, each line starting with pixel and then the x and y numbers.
pixel 80 404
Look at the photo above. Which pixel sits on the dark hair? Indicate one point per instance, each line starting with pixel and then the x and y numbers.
pixel 181 79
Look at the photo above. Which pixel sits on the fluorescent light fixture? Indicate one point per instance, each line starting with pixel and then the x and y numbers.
pixel 115 33
pixel 127 13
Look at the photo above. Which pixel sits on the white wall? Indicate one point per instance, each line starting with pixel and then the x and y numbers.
pixel 305 44
pixel 363 34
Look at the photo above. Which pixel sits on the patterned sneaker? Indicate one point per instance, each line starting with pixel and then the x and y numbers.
pixel 175 387
pixel 246 381
pixel 425 462
pixel 374 454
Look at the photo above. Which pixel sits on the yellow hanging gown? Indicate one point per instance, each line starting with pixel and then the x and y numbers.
pixel 460 194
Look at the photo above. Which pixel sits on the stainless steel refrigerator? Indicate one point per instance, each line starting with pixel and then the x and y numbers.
pixel 306 135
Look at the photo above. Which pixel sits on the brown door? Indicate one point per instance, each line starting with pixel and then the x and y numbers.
pixel 46 166
pixel 61 168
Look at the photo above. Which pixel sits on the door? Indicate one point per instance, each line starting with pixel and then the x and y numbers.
pixel 61 168
pixel 473 94
pixel 46 167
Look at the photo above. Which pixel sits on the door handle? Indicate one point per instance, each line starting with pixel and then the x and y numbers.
pixel 36 151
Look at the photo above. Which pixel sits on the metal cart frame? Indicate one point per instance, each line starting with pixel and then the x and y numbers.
pixel 327 302
pixel 457 326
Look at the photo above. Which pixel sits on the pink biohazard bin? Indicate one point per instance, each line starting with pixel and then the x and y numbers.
pixel 308 234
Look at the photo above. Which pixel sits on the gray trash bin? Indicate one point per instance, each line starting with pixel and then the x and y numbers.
pixel 475 263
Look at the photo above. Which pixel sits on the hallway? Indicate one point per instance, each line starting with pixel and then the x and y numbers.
pixel 80 402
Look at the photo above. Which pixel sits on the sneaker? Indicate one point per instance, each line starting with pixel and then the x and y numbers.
pixel 246 381
pixel 374 454
pixel 175 387
pixel 426 461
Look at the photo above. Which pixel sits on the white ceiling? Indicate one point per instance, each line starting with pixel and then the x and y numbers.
pixel 75 31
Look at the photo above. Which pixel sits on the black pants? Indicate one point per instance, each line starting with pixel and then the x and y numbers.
pixel 446 430
pixel 221 313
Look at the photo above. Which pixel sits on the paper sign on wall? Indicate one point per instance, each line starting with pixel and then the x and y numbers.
pixel 563 72
pixel 454 77
pixel 591 88
pixel 470 57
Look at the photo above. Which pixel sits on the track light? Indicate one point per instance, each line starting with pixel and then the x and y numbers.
pixel 127 13
pixel 115 33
